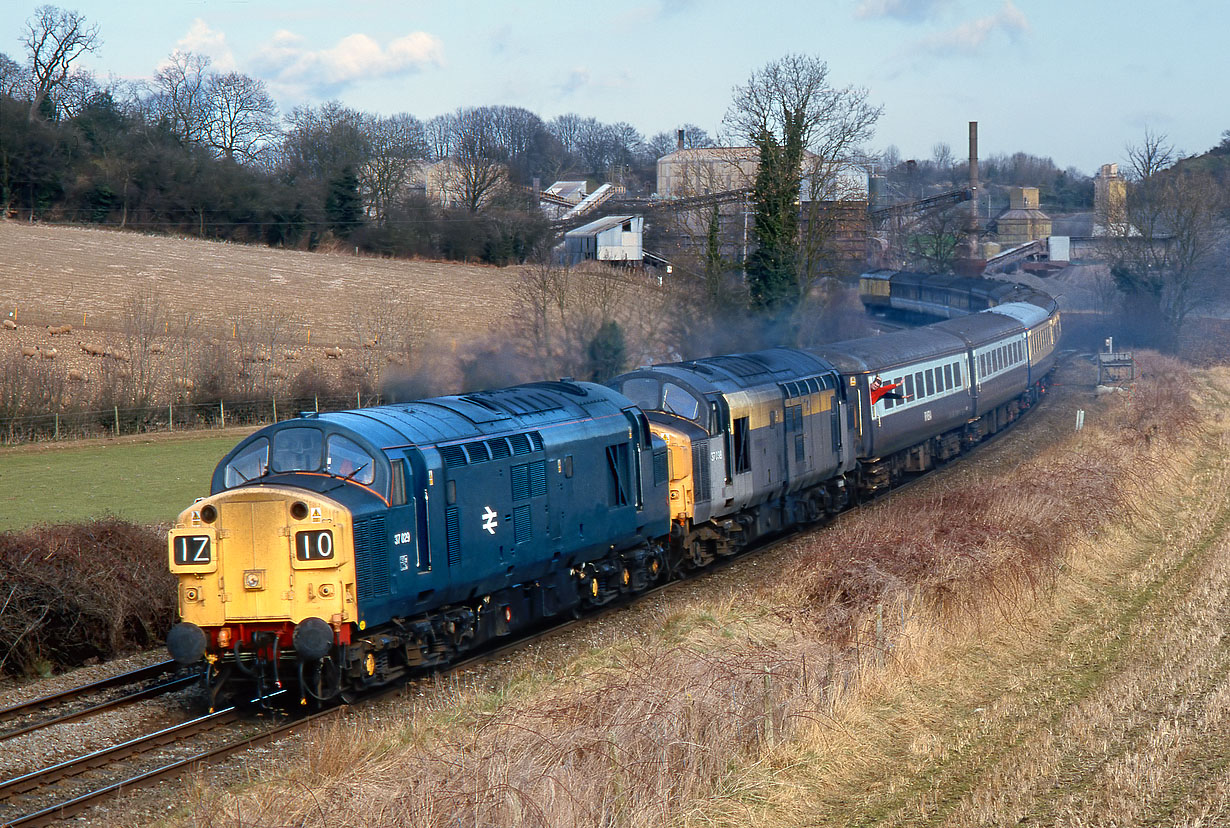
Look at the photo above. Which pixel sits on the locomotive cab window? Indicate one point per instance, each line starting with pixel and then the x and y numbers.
pixel 348 459
pixel 297 449
pixel 249 464
pixel 676 400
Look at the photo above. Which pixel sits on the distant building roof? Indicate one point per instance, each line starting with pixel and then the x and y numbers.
pixel 573 191
pixel 598 225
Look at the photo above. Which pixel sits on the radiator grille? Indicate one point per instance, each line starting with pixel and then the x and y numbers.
pixel 523 528
pixel 700 470
pixel 371 562
pixel 659 467
pixel 452 532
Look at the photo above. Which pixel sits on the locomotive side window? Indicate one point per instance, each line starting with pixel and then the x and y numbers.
pixel 743 449
pixel 249 464
pixel 397 490
pixel 347 459
pixel 297 449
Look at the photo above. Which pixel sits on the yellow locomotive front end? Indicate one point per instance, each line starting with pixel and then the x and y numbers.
pixel 266 574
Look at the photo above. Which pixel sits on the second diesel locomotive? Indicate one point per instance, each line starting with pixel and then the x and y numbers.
pixel 344 549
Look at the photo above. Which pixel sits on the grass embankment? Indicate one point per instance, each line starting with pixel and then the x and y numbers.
pixel 1033 635
pixel 146 479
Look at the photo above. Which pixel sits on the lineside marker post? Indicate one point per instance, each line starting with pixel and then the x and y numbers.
pixel 275 409
pixel 222 408
pixel 117 421
pixel 57 425
pixel 170 417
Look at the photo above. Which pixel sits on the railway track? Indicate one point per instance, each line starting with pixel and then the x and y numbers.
pixel 58 708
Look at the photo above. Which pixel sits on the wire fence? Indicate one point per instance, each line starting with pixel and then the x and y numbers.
pixel 117 421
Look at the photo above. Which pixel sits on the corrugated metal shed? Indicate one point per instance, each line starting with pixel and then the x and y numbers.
pixel 608 239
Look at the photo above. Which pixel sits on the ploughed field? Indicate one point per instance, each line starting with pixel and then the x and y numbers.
pixel 55 275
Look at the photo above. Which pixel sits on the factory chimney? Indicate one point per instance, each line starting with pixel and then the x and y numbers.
pixel 971 262
pixel 680 137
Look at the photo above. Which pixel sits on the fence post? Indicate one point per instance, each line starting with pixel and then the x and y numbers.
pixel 358 399
pixel 275 409
pixel 117 421
pixel 57 425
pixel 222 408
pixel 170 416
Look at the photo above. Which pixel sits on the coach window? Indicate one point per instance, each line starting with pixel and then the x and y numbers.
pixel 347 459
pixel 947 377
pixel 909 387
pixel 956 373
pixel 930 383
pixel 918 383
pixel 297 449
pixel 249 464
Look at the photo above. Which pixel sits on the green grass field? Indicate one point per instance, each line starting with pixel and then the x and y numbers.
pixel 148 479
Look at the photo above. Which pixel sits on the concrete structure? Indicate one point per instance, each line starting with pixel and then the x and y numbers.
pixel 833 194
pixel 1109 201
pixel 448 183
pixel 692 172
pixel 1023 221
pixel 608 239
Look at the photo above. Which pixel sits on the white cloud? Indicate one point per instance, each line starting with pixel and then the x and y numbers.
pixel 577 79
pixel 203 40
pixel 356 57
pixel 969 38
pixel 913 10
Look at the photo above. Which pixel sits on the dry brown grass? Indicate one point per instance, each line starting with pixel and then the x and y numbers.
pixel 950 657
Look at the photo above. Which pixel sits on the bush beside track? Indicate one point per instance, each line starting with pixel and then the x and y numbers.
pixel 81 591
pixel 691 713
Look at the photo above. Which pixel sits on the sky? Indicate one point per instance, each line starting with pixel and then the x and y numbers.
pixel 1075 80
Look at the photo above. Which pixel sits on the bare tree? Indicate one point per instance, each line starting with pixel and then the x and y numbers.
pixel 439 133
pixel 137 374
pixel 54 39
pixel 397 148
pixel 1150 156
pixel 807 133
pixel 183 96
pixel 242 117
pixel 477 173
pixel 1162 256
pixel 13 78
pixel 567 130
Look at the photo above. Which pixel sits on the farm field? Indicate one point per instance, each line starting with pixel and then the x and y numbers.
pixel 55 275
pixel 147 479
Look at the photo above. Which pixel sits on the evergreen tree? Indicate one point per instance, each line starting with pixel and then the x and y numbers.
pixel 343 204
pixel 606 352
